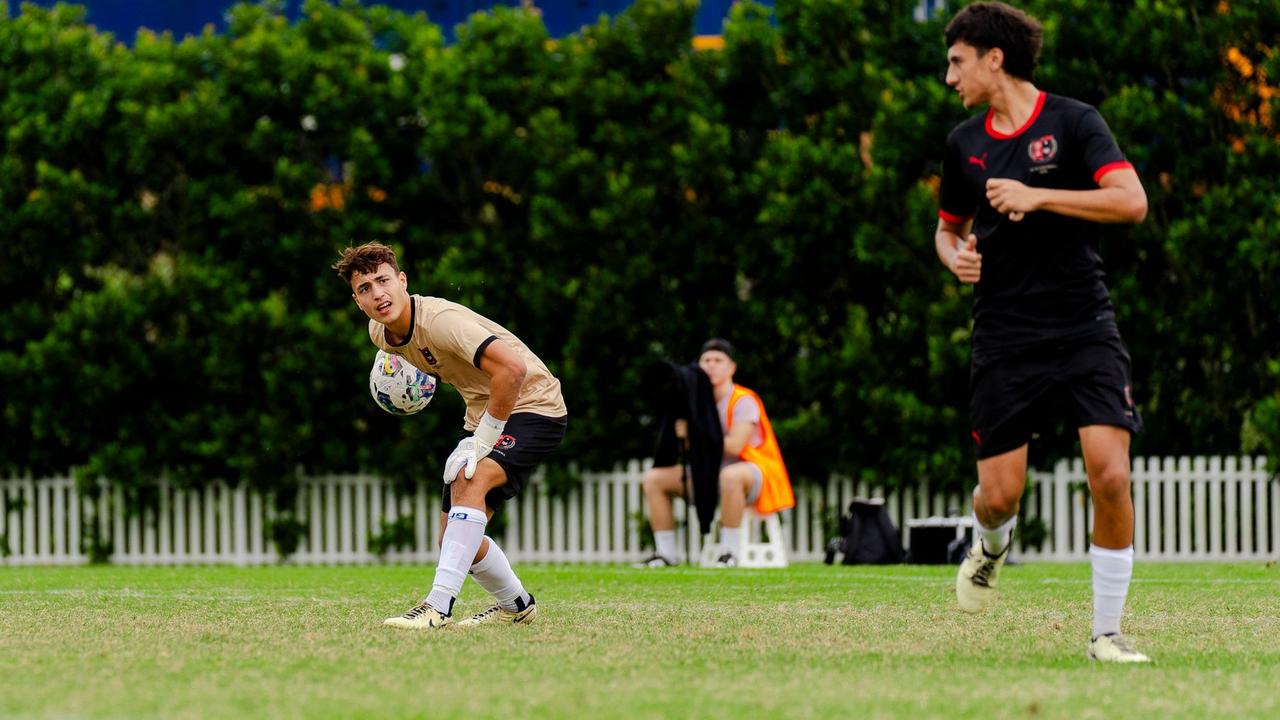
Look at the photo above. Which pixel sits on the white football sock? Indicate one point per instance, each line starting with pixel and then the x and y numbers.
pixel 1112 570
pixel 462 537
pixel 996 539
pixel 730 539
pixel 495 575
pixel 665 544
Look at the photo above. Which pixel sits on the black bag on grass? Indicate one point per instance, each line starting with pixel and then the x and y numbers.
pixel 867 536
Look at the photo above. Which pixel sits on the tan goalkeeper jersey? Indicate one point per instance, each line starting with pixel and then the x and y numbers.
pixel 448 339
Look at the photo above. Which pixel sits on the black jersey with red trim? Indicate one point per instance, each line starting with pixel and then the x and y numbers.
pixel 1042 277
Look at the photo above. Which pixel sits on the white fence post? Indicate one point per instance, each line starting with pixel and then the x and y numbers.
pixel 1179 507
pixel 619 518
pixel 1168 488
pixel 1215 508
pixel 346 533
pixel 118 546
pixel 1262 531
pixel 7 547
pixel 165 546
pixel 1274 486
pixel 589 545
pixel 1061 512
pixel 1229 487
pixel 182 537
pixel 1244 488
pixel 28 496
pixel 1200 503
pixel 103 513
pixel 558 546
pixel 58 525
pixel 634 493
pixel 1140 480
pixel 799 524
pixel 209 523
pixel 424 539
pixel 1080 502
pixel 256 529
pixel 240 525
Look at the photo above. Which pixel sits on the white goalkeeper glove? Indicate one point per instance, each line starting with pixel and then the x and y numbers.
pixel 486 436
pixel 458 459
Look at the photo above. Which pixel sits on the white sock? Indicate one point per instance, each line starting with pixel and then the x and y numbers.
pixel 495 575
pixel 730 539
pixel 1112 570
pixel 665 544
pixel 996 539
pixel 462 538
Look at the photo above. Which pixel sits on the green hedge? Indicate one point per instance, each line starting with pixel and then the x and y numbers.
pixel 169 211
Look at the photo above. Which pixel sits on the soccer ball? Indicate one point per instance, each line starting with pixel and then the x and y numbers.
pixel 398 387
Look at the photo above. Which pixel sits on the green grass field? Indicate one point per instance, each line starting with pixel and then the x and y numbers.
pixel 613 642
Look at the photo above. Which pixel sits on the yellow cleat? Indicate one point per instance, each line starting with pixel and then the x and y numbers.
pixel 976 580
pixel 496 615
pixel 421 617
pixel 1115 648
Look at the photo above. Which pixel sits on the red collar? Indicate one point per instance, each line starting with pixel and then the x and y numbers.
pixel 1001 136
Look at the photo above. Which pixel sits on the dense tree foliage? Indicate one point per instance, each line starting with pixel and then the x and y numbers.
pixel 170 209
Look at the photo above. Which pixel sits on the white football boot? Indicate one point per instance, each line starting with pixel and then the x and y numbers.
pixel 1115 648
pixel 497 615
pixel 420 617
pixel 976 580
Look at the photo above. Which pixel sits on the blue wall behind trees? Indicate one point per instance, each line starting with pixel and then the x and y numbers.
pixel 123 17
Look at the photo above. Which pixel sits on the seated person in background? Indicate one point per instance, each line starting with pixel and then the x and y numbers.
pixel 751 470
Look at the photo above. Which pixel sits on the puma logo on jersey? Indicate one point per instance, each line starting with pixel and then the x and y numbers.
pixel 979 161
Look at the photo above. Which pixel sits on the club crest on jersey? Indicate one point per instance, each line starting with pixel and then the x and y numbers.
pixel 1042 149
pixel 431 359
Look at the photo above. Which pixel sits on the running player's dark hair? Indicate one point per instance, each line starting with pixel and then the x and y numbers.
pixel 365 259
pixel 986 25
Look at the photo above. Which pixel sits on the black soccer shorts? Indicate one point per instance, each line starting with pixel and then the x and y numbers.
pixel 1088 382
pixel 526 441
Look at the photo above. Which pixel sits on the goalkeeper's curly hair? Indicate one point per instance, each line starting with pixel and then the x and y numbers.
pixel 364 260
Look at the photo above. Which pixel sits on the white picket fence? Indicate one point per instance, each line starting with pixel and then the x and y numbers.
pixel 1187 509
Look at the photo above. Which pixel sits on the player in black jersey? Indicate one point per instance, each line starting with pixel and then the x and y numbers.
pixel 1025 188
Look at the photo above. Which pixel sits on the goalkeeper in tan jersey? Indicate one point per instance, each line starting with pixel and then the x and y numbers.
pixel 515 418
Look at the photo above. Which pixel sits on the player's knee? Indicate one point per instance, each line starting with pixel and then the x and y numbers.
pixel 652 481
pixel 730 483
pixel 1111 485
pixel 1000 502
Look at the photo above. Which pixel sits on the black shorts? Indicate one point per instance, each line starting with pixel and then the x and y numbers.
pixel 526 441
pixel 1088 382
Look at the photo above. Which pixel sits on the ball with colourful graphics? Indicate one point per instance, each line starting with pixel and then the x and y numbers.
pixel 398 387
